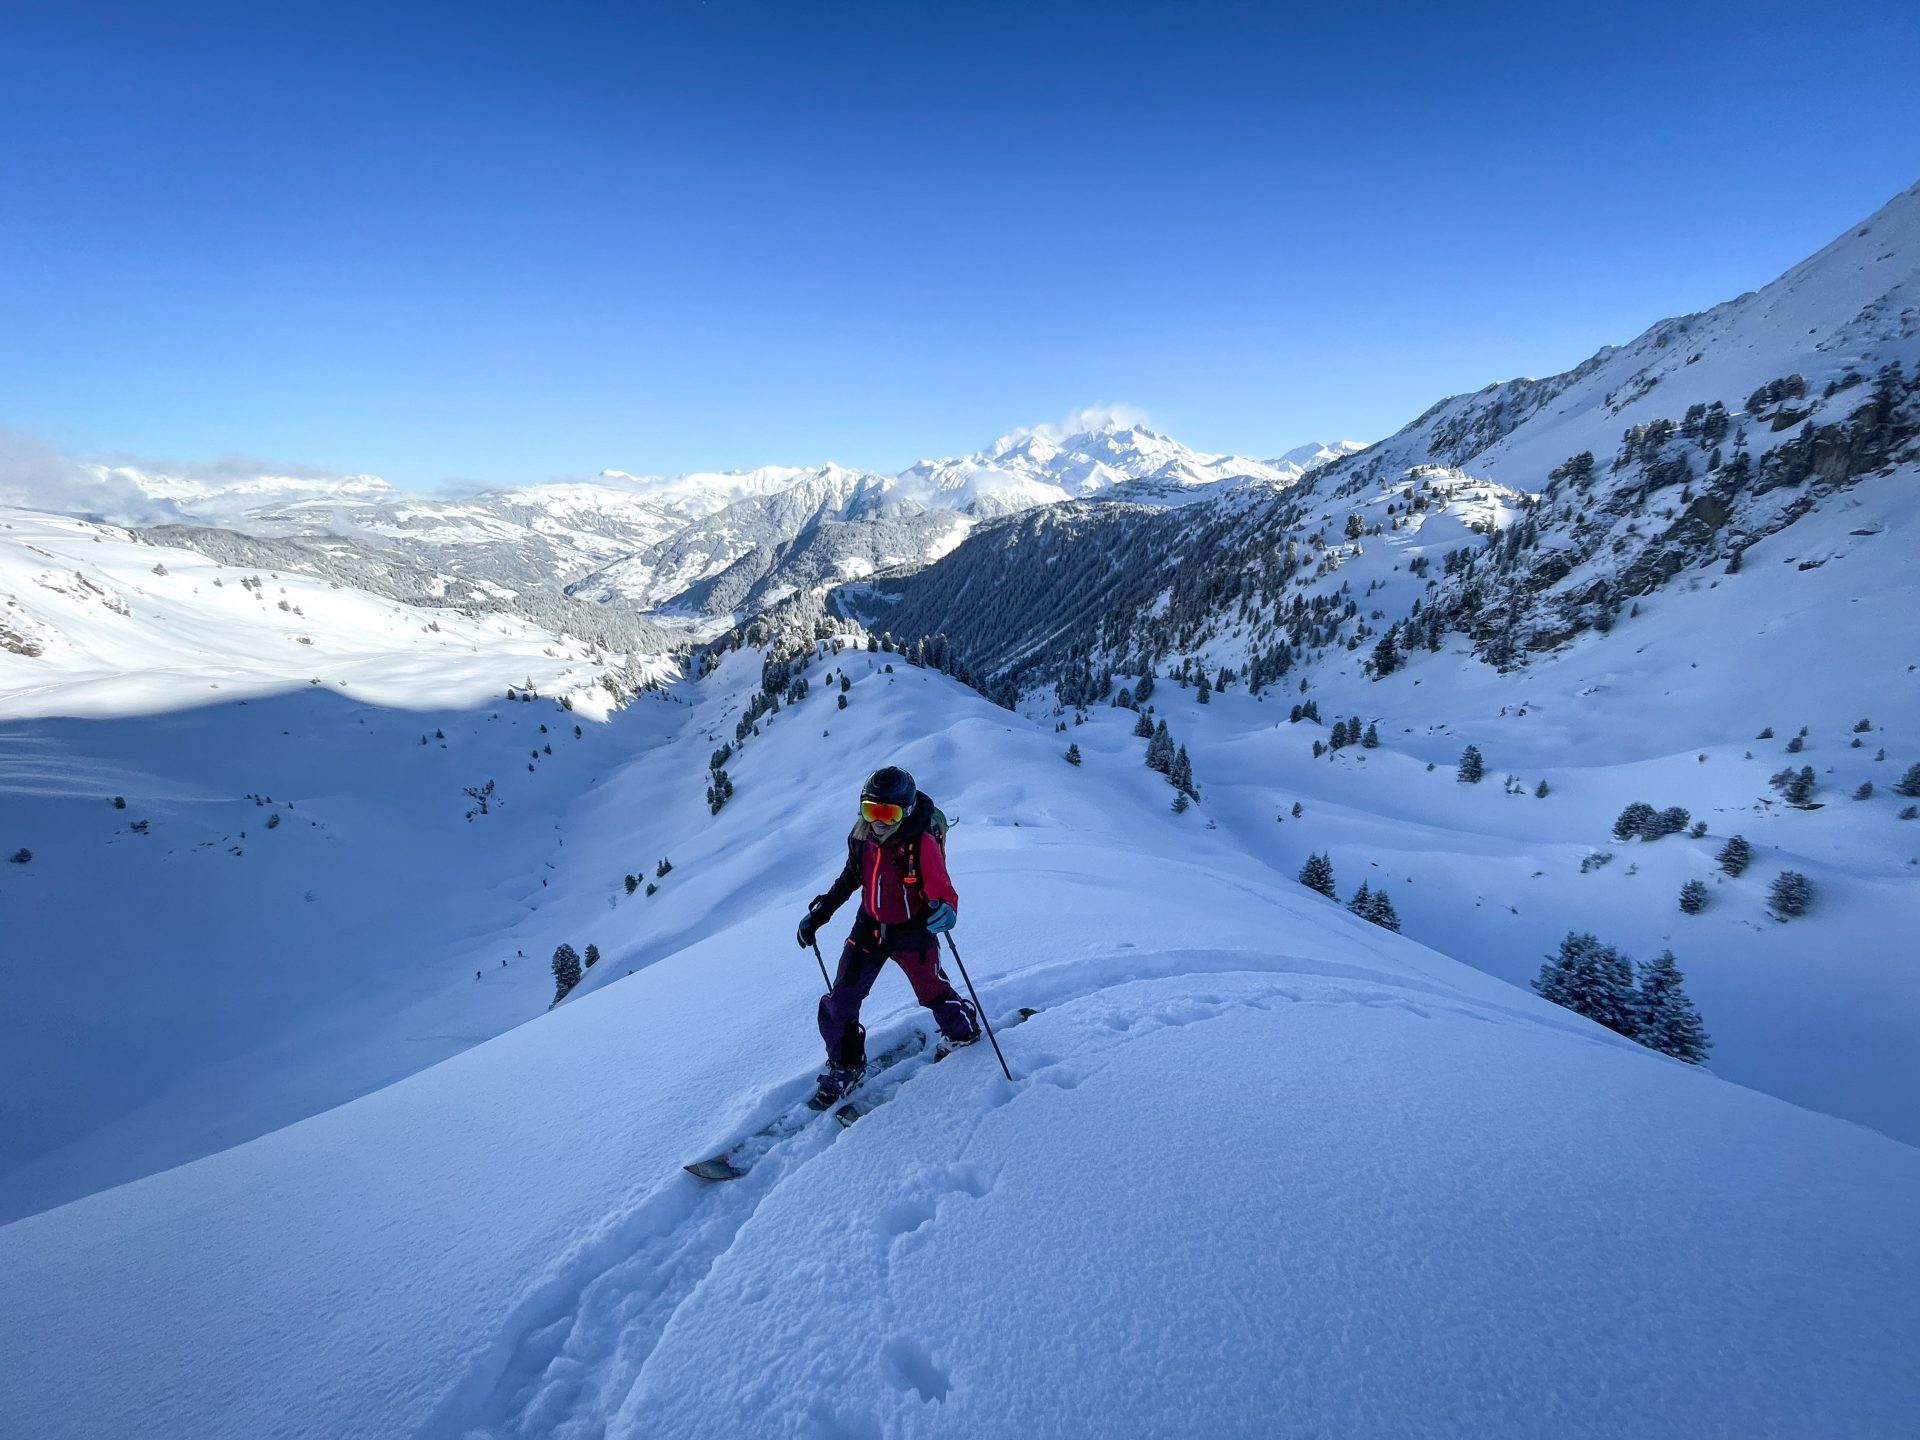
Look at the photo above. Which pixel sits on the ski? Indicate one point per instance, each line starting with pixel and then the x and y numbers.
pixel 739 1158
pixel 867 1100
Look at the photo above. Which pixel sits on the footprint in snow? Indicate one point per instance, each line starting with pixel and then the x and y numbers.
pixel 908 1365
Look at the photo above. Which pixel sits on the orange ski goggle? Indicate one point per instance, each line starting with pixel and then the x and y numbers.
pixel 880 812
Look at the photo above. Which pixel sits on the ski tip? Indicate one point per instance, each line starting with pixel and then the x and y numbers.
pixel 714 1169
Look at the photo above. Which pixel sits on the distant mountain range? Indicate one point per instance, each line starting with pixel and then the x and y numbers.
pixel 707 544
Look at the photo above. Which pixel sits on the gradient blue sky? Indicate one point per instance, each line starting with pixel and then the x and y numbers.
pixel 505 243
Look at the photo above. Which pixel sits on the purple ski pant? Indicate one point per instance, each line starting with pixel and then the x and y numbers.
pixel 861 960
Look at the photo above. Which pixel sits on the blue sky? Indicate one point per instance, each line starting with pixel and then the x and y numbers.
pixel 508 243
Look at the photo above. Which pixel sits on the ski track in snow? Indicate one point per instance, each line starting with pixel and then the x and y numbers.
pixel 578 1344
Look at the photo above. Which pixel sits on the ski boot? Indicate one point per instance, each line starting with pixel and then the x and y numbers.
pixel 835 1083
pixel 948 1043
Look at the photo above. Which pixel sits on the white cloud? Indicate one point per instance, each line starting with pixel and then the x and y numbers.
pixel 1086 418
pixel 35 476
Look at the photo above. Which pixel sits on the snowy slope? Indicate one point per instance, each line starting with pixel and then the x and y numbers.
pixel 287 905
pixel 1623 634
pixel 1264 1169
pixel 92 622
pixel 1814 630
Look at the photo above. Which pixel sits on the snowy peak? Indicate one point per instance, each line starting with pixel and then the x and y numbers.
pixel 1042 465
pixel 1310 457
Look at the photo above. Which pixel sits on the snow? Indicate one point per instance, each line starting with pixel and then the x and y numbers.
pixel 1823 1011
pixel 298 917
pixel 1264 1168
pixel 118 638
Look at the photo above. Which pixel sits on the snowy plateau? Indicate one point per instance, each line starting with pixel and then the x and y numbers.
pixel 302 786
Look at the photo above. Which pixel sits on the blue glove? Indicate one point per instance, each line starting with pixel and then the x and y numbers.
pixel 940 919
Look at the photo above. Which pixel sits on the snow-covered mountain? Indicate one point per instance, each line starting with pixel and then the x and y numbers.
pixel 701 544
pixel 1041 467
pixel 781 531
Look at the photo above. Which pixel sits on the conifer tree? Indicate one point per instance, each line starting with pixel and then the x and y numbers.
pixel 1693 897
pixel 1073 754
pixel 1382 912
pixel 566 971
pixel 1472 767
pixel 1735 855
pixel 1800 788
pixel 1317 874
pixel 1362 902
pixel 1591 979
pixel 1371 740
pixel 1667 1020
pixel 1160 752
pixel 1182 774
pixel 593 955
pixel 1386 659
pixel 1791 894
pixel 1910 782
pixel 1339 737
pixel 1540 791
pixel 1634 820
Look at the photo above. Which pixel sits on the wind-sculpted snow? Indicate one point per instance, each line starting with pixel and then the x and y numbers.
pixel 1264 1168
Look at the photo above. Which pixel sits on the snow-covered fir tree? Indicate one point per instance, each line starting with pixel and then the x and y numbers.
pixel 566 970
pixel 1667 1020
pixel 1735 855
pixel 1472 767
pixel 1317 874
pixel 1181 774
pixel 1592 979
pixel 1382 913
pixel 1791 894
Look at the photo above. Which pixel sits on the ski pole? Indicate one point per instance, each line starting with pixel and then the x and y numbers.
pixel 823 963
pixel 978 1009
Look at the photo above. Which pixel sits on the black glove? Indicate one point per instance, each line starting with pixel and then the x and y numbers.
pixel 815 918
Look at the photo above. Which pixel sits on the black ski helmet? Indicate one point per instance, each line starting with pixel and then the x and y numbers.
pixel 891 785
